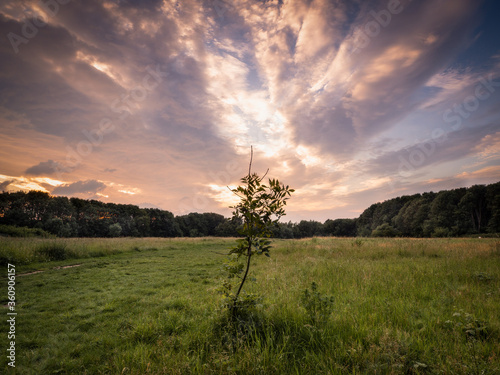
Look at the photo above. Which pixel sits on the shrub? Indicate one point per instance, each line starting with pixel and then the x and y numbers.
pixel 53 251
pixel 13 231
pixel 317 306
pixel 441 232
pixel 115 230
pixel 385 230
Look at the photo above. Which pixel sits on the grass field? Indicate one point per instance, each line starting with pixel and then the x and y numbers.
pixel 150 306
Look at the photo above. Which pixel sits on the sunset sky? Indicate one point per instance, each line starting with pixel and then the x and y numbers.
pixel 156 103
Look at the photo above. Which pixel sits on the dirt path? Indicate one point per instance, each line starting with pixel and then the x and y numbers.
pixel 55 268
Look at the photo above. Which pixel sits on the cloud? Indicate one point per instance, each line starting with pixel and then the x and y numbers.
pixel 448 147
pixel 485 174
pixel 388 74
pixel 79 187
pixel 334 100
pixel 45 168
pixel 328 115
pixel 11 183
pixel 489 147
pixel 4 184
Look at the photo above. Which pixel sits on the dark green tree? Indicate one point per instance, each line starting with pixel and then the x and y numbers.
pixel 115 230
pixel 229 228
pixel 385 230
pixel 444 214
pixel 493 197
pixel 163 223
pixel 410 219
pixel 340 228
pixel 283 230
pixel 310 228
pixel 473 204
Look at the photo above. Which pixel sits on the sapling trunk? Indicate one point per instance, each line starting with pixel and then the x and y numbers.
pixel 249 256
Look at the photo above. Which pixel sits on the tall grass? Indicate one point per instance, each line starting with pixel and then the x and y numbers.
pixel 151 306
pixel 24 251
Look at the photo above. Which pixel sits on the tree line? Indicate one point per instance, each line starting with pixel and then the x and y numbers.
pixel 448 213
pixel 457 212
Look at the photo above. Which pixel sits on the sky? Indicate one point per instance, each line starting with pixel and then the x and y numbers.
pixel 157 102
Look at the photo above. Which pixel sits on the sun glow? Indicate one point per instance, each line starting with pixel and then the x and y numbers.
pixel 127 192
pixel 47 180
pixel 99 65
pixel 307 157
pixel 23 183
pixel 223 195
pixel 28 185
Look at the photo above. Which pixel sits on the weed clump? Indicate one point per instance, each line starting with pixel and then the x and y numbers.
pixel 318 307
pixel 471 327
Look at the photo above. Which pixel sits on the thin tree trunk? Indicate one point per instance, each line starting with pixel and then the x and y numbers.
pixel 478 217
pixel 249 256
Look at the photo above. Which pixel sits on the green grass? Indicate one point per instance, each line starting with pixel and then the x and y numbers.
pixel 150 306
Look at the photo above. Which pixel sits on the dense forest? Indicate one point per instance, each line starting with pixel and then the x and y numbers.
pixel 457 212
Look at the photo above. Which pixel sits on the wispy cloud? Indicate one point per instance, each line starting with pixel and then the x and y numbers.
pixel 45 168
pixel 86 187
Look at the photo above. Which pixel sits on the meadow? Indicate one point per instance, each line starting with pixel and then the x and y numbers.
pixel 151 306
